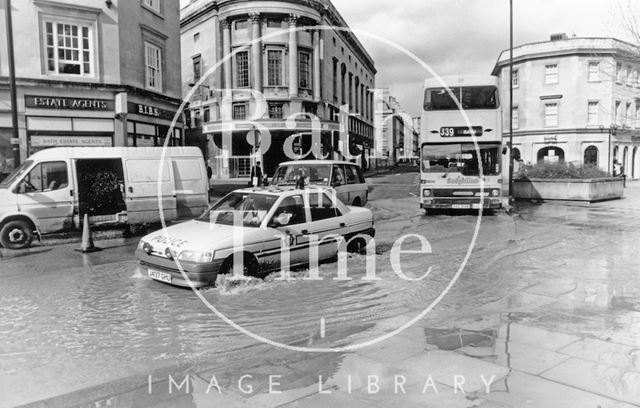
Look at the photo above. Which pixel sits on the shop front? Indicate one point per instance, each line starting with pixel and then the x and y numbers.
pixel 149 123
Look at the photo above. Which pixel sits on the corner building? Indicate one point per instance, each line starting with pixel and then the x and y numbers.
pixel 269 66
pixel 575 100
pixel 90 73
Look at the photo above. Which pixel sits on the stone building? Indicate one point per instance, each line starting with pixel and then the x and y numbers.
pixel 91 73
pixel 575 100
pixel 262 76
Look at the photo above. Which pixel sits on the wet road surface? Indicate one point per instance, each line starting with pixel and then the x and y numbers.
pixel 548 301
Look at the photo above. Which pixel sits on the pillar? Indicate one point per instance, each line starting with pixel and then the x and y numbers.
pixel 293 56
pixel 317 95
pixel 226 52
pixel 256 51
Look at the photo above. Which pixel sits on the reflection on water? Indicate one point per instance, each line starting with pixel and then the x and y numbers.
pixel 113 321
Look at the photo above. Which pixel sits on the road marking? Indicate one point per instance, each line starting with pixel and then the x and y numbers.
pixel 322 324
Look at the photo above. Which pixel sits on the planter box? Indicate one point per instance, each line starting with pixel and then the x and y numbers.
pixel 590 190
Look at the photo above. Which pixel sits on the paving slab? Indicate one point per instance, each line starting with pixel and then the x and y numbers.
pixel 603 352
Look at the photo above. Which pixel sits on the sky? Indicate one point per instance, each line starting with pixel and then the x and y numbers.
pixel 466 36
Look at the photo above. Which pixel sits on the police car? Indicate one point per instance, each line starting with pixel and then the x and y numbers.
pixel 248 230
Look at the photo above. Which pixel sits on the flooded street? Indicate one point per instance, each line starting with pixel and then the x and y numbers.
pixel 549 300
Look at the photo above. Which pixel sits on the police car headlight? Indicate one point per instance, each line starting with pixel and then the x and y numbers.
pixel 426 193
pixel 495 193
pixel 196 256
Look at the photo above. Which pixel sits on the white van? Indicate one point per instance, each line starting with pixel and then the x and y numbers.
pixel 53 189
pixel 345 177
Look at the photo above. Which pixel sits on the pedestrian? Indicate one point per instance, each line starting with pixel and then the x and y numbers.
pixel 256 175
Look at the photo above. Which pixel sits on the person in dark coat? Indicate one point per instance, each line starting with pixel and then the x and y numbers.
pixel 256 173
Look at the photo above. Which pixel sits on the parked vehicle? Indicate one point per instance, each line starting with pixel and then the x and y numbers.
pixel 54 188
pixel 249 225
pixel 346 178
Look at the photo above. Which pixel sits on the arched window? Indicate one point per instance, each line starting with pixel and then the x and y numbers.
pixel 591 155
pixel 634 168
pixel 625 160
pixel 517 156
pixel 551 154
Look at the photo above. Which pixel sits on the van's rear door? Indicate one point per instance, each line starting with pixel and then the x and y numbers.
pixel 191 186
pixel 149 188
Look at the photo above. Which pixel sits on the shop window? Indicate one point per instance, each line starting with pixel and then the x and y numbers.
pixel 69 49
pixel 591 155
pixel 153 65
pixel 6 154
pixel 275 68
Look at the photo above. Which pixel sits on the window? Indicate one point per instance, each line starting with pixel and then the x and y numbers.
pixel 629 75
pixel 197 69
pixel 305 70
pixel 69 49
pixel 152 4
pixel 294 208
pixel 322 207
pixel 591 155
pixel 627 115
pixel 275 110
pixel 207 115
pixel 310 108
pixel 335 80
pixel 241 25
pixel 618 72
pixel 242 69
pixel 239 111
pixel 352 175
pixel 551 74
pixel 196 37
pixel 637 114
pixel 594 71
pixel 516 79
pixel 551 114
pixel 153 62
pixel 592 113
pixel 618 113
pixel 49 176
pixel 514 117
pixel 275 68
pixel 338 178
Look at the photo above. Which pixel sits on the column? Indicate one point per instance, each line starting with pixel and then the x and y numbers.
pixel 293 56
pixel 217 76
pixel 256 51
pixel 317 94
pixel 226 52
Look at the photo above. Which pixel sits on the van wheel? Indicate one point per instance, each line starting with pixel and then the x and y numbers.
pixel 249 267
pixel 357 202
pixel 16 234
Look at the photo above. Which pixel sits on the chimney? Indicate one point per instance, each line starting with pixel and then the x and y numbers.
pixel 559 36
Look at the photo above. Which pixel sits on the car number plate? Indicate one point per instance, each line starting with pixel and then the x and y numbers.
pixel 461 206
pixel 160 276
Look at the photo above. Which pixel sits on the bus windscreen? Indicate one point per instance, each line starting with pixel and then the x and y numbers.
pixel 472 97
pixel 461 158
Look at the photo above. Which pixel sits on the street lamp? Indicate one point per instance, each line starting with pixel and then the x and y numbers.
pixel 510 101
pixel 612 130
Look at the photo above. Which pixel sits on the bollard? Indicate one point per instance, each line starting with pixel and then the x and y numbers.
pixel 87 242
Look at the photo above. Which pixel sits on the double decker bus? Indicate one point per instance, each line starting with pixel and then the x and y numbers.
pixel 460 159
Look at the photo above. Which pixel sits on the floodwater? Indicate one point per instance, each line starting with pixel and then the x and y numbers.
pixel 70 321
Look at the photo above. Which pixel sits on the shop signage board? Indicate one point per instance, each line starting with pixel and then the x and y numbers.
pixel 66 103
pixel 71 141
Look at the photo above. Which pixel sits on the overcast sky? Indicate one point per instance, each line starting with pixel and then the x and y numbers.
pixel 466 36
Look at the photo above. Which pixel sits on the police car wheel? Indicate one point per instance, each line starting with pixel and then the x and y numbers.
pixel 249 268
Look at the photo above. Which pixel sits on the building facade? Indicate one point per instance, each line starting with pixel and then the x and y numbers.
pixel 574 100
pixel 396 137
pixel 267 78
pixel 94 73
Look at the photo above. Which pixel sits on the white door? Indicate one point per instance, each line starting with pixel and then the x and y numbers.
pixel 326 221
pixel 191 187
pixel 149 191
pixel 295 231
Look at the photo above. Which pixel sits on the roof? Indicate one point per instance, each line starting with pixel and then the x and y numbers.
pixel 280 190
pixel 461 80
pixel 305 162
pixel 589 46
